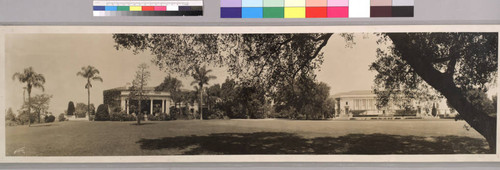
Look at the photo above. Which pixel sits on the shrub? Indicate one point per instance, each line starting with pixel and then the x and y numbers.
pixel 49 118
pixel 102 113
pixel 61 117
pixel 159 117
pixel 121 116
pixel 10 116
pixel 23 117
pixel 71 108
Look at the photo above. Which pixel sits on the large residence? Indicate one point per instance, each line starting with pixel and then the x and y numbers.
pixel 155 101
pixel 364 103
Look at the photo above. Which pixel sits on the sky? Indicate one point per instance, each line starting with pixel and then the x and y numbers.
pixel 60 56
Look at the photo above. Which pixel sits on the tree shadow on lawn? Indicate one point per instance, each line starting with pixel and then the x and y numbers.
pixel 135 124
pixel 43 125
pixel 288 143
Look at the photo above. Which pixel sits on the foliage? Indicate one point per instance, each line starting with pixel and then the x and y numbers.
pixel 102 113
pixel 173 86
pixel 90 73
pixel 121 116
pixel 61 117
pixel 454 64
pixel 201 78
pixel 137 91
pixel 308 98
pixel 49 118
pixel 10 116
pixel 24 118
pixel 40 105
pixel 434 110
pixel 416 65
pixel 32 80
pixel 480 99
pixel 159 117
pixel 81 109
pixel 270 59
pixel 71 108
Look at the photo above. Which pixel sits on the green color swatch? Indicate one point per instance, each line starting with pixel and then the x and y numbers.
pixel 274 12
pixel 122 8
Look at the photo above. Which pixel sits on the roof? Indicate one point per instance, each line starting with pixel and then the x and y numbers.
pixel 147 88
pixel 355 93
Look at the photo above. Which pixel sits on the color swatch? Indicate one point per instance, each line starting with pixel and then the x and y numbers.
pixel 149 8
pixel 316 8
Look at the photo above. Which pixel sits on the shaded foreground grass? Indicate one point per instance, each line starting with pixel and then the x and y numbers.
pixel 243 137
pixel 287 143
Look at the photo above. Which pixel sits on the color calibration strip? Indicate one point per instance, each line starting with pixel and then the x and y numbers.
pixel 316 8
pixel 149 8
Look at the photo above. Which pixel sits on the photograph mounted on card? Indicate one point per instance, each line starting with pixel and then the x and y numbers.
pixel 258 94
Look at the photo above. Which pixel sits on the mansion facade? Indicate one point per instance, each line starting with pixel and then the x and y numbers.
pixel 364 103
pixel 155 102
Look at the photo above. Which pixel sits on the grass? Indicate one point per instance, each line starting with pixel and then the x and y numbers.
pixel 193 137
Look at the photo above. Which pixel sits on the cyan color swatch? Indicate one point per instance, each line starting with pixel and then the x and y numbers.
pixel 252 12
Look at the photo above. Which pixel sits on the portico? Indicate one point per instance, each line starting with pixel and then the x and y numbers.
pixel 155 102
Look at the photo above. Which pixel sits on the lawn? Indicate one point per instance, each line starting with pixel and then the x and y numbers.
pixel 193 137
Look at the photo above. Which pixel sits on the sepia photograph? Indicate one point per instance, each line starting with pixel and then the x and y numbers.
pixel 232 93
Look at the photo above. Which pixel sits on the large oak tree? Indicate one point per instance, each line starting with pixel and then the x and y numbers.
pixel 450 63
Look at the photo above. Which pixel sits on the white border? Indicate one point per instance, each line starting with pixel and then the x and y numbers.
pixel 230 158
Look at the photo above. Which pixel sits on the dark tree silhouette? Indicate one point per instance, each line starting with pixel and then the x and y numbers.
pixel 450 63
pixel 71 108
pixel 454 64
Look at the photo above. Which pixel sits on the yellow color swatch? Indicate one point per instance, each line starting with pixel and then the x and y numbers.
pixel 135 8
pixel 295 12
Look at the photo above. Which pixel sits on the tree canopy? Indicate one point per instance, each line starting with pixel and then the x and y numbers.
pixel 454 64
pixel 270 59
pixel 451 63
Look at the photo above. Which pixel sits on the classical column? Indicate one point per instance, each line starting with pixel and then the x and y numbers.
pixel 151 107
pixel 162 106
pixel 122 102
pixel 167 107
pixel 127 106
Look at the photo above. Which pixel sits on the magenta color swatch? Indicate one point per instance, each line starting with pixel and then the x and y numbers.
pixel 338 12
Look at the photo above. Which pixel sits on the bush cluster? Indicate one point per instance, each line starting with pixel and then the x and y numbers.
pixel 160 117
pixel 102 113
pixel 121 116
pixel 49 118
pixel 61 117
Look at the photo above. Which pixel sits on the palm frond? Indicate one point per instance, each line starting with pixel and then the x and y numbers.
pixel 97 78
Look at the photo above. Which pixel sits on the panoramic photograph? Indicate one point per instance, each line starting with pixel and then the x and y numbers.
pixel 341 93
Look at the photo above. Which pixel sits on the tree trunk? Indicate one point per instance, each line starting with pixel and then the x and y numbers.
pixel 29 108
pixel 201 102
pixel 477 118
pixel 139 114
pixel 88 102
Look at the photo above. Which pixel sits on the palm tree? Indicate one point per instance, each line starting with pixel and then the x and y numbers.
pixel 90 73
pixel 201 78
pixel 32 79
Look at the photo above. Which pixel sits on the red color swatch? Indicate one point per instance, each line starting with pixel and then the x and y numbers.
pixel 148 8
pixel 316 12
pixel 338 12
